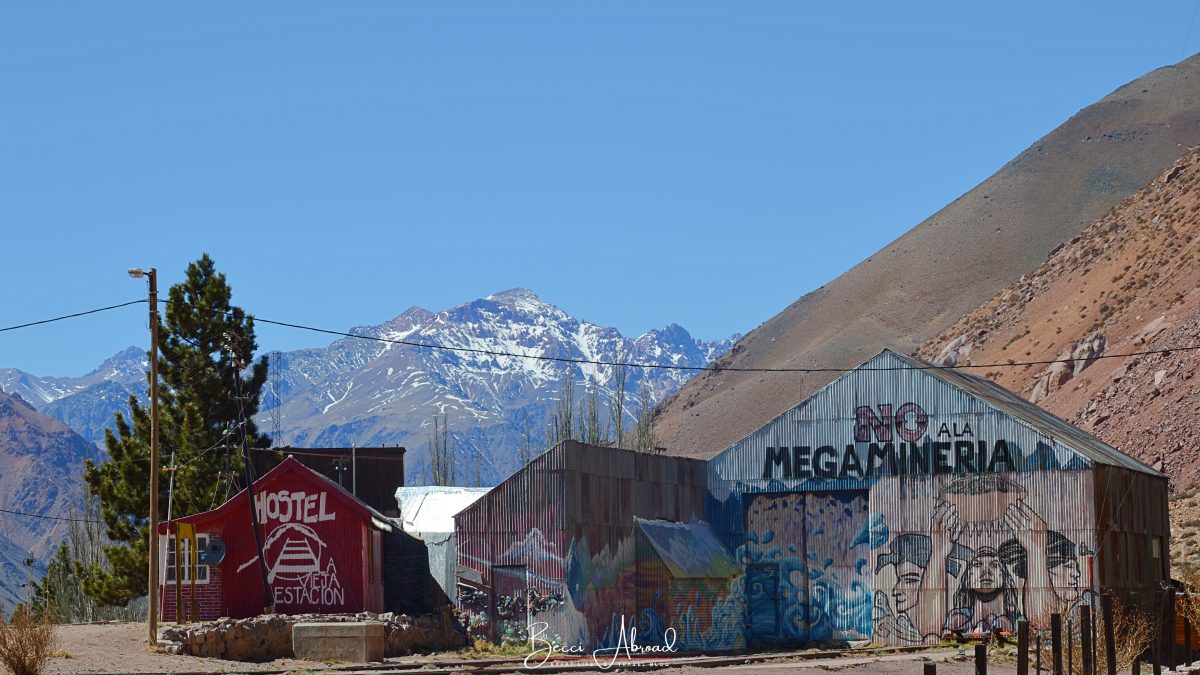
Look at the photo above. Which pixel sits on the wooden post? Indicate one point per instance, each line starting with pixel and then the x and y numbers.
pixel 980 659
pixel 930 669
pixel 1056 643
pixel 1169 606
pixel 1037 665
pixel 1156 646
pixel 1022 647
pixel 1187 640
pixel 178 581
pixel 1085 639
pixel 1110 647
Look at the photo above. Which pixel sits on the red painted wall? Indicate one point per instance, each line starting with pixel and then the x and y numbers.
pixel 315 540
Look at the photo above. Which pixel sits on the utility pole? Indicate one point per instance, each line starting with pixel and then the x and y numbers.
pixel 152 583
pixel 233 344
pixel 29 586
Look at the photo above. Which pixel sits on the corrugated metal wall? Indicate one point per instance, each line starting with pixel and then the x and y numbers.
pixel 1134 531
pixel 976 517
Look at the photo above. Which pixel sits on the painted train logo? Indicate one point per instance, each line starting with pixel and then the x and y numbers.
pixel 300 569
pixel 896 443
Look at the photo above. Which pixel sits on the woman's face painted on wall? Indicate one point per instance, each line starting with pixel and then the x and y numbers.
pixel 908 586
pixel 986 574
pixel 1065 578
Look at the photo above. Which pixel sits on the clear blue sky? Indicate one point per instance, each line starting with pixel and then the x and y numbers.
pixel 635 163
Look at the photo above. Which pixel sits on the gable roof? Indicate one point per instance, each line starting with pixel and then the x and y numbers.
pixel 290 466
pixel 1007 402
pixel 689 550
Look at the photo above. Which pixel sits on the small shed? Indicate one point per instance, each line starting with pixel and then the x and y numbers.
pixel 685 582
pixel 321 546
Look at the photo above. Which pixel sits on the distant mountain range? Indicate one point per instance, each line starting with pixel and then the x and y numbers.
pixel 370 392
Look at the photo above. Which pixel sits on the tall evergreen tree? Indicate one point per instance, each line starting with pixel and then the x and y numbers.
pixel 201 339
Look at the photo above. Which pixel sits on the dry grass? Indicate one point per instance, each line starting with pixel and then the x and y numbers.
pixel 26 642
pixel 1133 629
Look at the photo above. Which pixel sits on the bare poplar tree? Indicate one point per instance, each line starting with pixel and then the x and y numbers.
pixel 644 438
pixel 441 458
pixel 562 427
pixel 617 403
pixel 592 430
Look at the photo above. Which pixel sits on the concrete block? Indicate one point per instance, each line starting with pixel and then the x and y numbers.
pixel 352 641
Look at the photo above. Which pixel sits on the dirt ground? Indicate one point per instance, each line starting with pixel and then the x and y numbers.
pixel 122 648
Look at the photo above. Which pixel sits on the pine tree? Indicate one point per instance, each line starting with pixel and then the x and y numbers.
pixel 198 416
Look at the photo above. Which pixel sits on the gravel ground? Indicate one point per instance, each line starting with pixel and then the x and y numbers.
pixel 122 648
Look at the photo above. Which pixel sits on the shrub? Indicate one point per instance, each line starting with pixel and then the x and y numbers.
pixel 26 642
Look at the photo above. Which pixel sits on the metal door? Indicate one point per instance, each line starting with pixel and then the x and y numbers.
pixel 510 605
pixel 839 574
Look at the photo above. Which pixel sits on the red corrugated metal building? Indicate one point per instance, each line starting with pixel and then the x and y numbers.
pixel 322 549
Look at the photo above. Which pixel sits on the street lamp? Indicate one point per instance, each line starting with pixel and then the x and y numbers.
pixel 152 583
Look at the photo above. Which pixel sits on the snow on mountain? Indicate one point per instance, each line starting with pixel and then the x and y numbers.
pixel 357 392
pixel 381 392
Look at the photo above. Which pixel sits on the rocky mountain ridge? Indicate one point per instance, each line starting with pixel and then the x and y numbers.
pixel 920 284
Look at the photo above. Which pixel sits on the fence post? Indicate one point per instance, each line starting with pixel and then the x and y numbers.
pixel 1110 647
pixel 1056 642
pixel 1022 647
pixel 1169 603
pixel 1187 640
pixel 980 659
pixel 1085 639
pixel 930 669
pixel 1156 646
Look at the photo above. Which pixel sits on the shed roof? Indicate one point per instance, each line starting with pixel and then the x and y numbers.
pixel 290 465
pixel 1004 400
pixel 689 550
pixel 431 508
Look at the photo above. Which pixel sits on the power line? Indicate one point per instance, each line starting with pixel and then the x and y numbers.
pixel 623 363
pixel 35 515
pixel 72 316
pixel 708 368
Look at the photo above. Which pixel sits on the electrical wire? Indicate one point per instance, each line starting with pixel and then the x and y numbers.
pixel 625 364
pixel 35 515
pixel 72 316
pixel 708 368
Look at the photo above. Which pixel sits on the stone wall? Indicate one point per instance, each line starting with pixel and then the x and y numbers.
pixel 265 638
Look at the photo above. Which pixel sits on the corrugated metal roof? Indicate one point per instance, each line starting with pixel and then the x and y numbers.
pixel 1006 401
pixel 689 550
pixel 431 508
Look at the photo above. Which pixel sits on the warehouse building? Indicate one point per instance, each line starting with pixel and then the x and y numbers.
pixel 586 543
pixel 903 501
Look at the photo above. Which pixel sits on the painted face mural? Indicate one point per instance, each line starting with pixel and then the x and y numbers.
pixel 973 573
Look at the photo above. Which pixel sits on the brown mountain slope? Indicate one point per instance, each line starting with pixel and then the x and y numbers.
pixel 924 281
pixel 1129 283
pixel 41 473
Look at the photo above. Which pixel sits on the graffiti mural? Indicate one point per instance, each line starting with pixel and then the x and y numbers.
pixel 985 558
pixel 808 574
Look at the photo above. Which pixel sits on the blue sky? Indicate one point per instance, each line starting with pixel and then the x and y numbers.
pixel 636 164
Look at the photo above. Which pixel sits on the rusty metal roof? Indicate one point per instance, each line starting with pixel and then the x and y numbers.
pixel 1004 400
pixel 689 550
